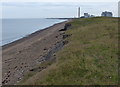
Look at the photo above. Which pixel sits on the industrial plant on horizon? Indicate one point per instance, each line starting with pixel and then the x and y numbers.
pixel 87 15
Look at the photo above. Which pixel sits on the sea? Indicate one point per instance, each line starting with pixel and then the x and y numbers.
pixel 14 29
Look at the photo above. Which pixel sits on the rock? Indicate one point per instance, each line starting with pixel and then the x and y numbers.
pixel 65 42
pixel 66 35
pixel 31 70
pixel 56 36
pixel 66 27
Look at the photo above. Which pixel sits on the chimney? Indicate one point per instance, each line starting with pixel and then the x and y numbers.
pixel 79 12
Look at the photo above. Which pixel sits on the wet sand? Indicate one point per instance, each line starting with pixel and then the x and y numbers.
pixel 19 57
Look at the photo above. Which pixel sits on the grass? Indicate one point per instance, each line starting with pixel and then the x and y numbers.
pixel 30 74
pixel 26 77
pixel 90 57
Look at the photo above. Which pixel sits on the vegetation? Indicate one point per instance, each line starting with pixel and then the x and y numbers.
pixel 90 57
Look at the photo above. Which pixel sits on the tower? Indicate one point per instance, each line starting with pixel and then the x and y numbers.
pixel 78 12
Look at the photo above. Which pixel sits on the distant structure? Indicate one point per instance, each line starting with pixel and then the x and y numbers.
pixel 79 12
pixel 92 16
pixel 87 15
pixel 107 14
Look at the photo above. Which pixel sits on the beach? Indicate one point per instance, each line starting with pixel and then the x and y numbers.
pixel 21 56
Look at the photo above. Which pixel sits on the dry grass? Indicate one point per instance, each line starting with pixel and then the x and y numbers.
pixel 90 57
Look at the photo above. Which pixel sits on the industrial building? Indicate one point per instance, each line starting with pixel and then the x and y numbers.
pixel 107 14
pixel 87 15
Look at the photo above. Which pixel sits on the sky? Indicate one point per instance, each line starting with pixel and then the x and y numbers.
pixel 59 0
pixel 55 8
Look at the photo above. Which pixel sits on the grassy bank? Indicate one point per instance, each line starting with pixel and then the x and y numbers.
pixel 90 57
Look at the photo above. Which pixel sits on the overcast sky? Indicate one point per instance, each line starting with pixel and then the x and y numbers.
pixel 59 0
pixel 55 8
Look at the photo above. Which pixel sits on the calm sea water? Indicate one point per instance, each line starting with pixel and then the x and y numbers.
pixel 14 29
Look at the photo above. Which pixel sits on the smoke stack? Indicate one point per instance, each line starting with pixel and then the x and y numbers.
pixel 79 12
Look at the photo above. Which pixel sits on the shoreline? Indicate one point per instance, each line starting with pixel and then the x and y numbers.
pixel 29 36
pixel 21 56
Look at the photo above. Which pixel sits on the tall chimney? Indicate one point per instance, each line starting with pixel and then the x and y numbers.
pixel 79 12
